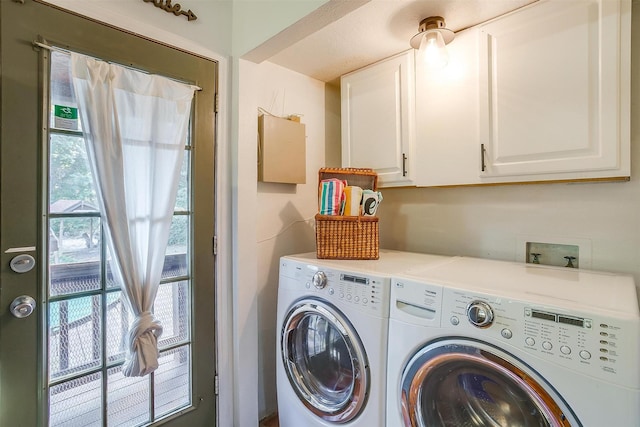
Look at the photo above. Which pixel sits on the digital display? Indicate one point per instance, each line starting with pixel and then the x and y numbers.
pixel 543 315
pixel 354 279
pixel 571 321
pixel 559 318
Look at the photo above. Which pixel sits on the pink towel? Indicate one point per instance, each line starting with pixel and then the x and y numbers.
pixel 331 196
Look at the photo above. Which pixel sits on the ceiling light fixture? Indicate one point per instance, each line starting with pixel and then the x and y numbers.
pixel 431 40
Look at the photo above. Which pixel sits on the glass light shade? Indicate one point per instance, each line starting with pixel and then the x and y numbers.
pixel 433 50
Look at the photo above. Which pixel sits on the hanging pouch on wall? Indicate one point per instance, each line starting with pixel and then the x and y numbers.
pixel 282 150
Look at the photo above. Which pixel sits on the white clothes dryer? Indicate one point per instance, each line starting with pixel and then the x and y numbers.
pixel 332 343
pixel 488 343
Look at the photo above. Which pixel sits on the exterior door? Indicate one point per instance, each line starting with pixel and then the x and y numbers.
pixel 61 364
pixel 325 361
pixel 460 382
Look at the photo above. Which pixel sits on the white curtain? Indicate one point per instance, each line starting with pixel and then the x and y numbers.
pixel 135 128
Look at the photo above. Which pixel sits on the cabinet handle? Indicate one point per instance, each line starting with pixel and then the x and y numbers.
pixel 482 153
pixel 404 165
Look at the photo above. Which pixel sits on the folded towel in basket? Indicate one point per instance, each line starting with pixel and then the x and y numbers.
pixel 353 200
pixel 370 201
pixel 331 196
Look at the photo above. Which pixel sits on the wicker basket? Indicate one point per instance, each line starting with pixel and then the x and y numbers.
pixel 348 237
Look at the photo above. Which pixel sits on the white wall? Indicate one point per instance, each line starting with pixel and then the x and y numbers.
pixel 285 211
pixel 245 297
pixel 227 27
pixel 255 21
pixel 211 32
pixel 487 221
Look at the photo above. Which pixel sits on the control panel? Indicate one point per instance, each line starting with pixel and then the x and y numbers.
pixel 600 346
pixel 361 291
pixel 589 343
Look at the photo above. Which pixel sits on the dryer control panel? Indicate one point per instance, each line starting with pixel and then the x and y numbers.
pixel 602 346
pixel 369 293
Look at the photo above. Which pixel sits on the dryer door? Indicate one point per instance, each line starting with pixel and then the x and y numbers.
pixel 325 361
pixel 458 382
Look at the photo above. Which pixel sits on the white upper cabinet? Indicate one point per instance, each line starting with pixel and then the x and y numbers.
pixel 378 118
pixel 554 90
pixel 447 128
pixel 540 94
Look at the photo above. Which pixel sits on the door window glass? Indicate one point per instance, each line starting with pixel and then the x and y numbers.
pixel 87 317
pixel 464 385
pixel 325 361
pixel 464 393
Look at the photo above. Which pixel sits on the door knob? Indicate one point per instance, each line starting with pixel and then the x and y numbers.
pixel 23 306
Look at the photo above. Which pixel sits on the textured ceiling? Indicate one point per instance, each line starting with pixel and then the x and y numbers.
pixel 376 30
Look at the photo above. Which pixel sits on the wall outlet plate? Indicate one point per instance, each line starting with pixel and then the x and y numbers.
pixel 553 249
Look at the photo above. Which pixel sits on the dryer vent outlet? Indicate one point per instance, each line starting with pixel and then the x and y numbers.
pixel 553 254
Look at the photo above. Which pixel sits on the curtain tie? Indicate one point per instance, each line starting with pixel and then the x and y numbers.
pixel 143 323
pixel 142 357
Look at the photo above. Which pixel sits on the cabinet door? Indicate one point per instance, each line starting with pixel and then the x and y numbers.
pixel 447 116
pixel 554 92
pixel 377 115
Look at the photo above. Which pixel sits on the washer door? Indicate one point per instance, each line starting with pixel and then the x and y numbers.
pixel 458 382
pixel 325 361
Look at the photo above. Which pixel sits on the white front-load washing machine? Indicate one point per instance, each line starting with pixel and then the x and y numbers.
pixel 488 343
pixel 332 338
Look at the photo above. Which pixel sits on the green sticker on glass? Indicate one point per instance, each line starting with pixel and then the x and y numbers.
pixel 65 117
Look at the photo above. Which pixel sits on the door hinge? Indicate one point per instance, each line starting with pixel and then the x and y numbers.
pixel 216 385
pixel 215 245
pixel 216 103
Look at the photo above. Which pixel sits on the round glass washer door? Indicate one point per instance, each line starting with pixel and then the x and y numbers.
pixel 460 382
pixel 325 361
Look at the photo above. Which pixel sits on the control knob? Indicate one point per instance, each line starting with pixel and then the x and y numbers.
pixel 480 314
pixel 319 280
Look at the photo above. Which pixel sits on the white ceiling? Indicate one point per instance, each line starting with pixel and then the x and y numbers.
pixel 375 30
